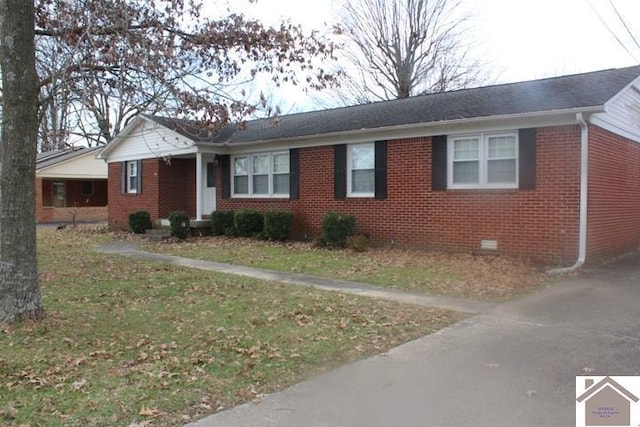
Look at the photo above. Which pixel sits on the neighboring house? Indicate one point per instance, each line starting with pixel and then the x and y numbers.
pixel 71 184
pixel 547 169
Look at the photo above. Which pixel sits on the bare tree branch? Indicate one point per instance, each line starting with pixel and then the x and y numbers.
pixel 401 48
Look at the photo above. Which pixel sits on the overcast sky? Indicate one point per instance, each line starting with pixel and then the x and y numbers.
pixel 519 39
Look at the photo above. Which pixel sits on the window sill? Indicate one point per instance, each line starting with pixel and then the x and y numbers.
pixel 361 195
pixel 483 187
pixel 260 196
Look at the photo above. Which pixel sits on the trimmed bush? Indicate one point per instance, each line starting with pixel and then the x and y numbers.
pixel 179 222
pixel 139 222
pixel 337 228
pixel 277 225
pixel 222 223
pixel 248 223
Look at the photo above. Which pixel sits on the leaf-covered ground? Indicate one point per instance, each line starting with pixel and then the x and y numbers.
pixel 131 343
pixel 482 277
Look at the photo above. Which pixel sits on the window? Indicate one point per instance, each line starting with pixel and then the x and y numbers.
pixel 281 183
pixel 483 161
pixel 59 193
pixel 261 175
pixel 361 170
pixel 132 177
pixel 86 188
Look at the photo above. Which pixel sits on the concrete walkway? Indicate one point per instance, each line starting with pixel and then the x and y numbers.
pixel 131 249
pixel 511 365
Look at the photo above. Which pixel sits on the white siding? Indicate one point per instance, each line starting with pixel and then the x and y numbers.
pixel 80 167
pixel 622 114
pixel 148 140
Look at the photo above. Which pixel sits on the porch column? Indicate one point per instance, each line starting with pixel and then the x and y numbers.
pixel 199 194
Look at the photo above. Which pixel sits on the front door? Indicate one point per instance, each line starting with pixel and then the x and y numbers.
pixel 209 196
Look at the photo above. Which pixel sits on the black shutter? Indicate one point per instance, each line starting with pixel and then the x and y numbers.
pixel 439 162
pixel 225 175
pixel 294 173
pixel 139 180
pixel 527 159
pixel 380 175
pixel 340 171
pixel 123 177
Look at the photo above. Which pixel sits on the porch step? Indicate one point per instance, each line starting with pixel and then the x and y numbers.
pixel 157 234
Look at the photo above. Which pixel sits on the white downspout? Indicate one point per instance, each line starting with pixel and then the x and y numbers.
pixel 584 189
pixel 199 189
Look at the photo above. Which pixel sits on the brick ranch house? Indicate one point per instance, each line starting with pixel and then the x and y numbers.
pixel 71 182
pixel 547 169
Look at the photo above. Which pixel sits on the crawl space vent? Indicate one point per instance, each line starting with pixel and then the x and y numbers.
pixel 490 245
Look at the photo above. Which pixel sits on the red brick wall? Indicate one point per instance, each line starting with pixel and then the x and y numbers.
pixel 121 205
pixel 74 198
pixel 614 194
pixel 541 223
pixel 176 179
pixel 178 184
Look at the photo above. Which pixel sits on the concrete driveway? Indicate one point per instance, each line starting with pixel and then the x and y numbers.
pixel 514 365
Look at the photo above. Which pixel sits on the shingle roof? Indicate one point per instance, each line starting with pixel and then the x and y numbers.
pixel 576 91
pixel 50 158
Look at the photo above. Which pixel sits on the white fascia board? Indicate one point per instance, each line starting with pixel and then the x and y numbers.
pixel 479 124
pixel 634 85
pixel 70 176
pixel 608 120
pixel 191 148
pixel 187 152
pixel 137 121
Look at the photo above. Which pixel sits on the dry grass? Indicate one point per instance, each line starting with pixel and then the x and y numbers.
pixel 482 277
pixel 127 342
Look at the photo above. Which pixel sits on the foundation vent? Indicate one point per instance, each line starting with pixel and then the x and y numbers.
pixel 489 245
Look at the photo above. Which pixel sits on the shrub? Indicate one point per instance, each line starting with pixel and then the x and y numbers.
pixel 318 242
pixel 179 222
pixel 277 225
pixel 139 222
pixel 222 223
pixel 358 243
pixel 337 228
pixel 248 223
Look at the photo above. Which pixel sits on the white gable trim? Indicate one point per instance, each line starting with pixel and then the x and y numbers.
pixel 145 139
pixel 622 113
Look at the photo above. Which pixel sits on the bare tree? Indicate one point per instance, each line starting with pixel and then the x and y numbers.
pixel 116 55
pixel 401 48
pixel 19 290
pixel 120 58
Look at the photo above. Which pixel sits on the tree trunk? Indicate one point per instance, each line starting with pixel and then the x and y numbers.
pixel 19 290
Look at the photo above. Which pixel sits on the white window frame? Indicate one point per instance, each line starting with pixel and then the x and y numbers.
pixel 483 183
pixel 250 175
pixel 132 165
pixel 350 192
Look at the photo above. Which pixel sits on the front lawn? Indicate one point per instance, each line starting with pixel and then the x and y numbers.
pixel 465 275
pixel 128 342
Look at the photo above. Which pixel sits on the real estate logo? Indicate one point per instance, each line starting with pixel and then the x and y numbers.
pixel 607 401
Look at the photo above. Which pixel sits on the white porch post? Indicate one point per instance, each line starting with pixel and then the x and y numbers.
pixel 199 194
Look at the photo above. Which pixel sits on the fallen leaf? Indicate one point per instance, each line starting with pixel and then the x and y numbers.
pixel 148 412
pixel 80 384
